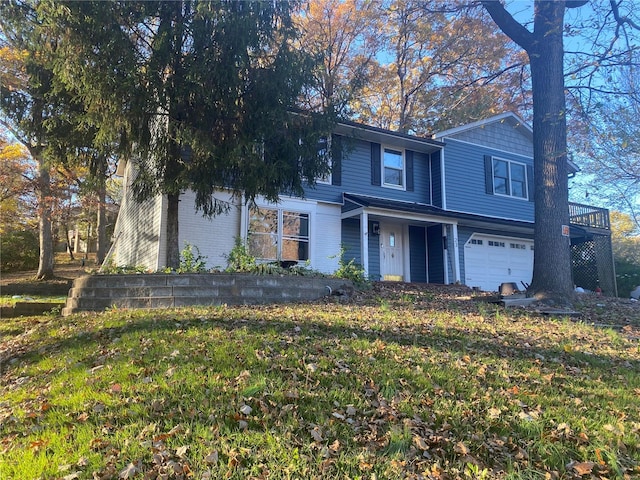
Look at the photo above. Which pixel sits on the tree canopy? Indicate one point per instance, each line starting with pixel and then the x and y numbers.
pixel 202 94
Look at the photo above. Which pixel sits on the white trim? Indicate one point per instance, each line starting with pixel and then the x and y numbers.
pixel 443 183
pixel 244 221
pixel 406 253
pixel 364 241
pixel 456 254
pixel 526 178
pixel 445 254
pixel 356 212
pixel 402 152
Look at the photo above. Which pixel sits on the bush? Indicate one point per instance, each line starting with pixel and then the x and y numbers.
pixel 19 250
pixel 239 259
pixel 627 277
pixel 191 261
pixel 352 271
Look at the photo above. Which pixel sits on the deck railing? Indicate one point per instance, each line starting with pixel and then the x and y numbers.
pixel 589 216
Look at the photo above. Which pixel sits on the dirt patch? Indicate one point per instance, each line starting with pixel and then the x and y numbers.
pixel 24 283
pixel 619 313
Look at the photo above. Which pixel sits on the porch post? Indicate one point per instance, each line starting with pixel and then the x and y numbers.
pixel 456 254
pixel 445 246
pixel 244 221
pixel 364 241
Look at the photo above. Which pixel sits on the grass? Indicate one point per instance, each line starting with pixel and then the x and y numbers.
pixel 11 300
pixel 413 386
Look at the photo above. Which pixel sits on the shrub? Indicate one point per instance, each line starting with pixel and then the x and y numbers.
pixel 627 277
pixel 190 261
pixel 352 271
pixel 239 259
pixel 20 250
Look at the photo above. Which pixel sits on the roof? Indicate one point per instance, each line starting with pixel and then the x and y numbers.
pixel 384 136
pixel 507 117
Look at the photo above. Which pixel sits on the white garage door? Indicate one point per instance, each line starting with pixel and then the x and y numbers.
pixel 490 261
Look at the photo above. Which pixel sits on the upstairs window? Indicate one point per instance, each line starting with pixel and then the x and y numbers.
pixel 324 153
pixel 508 178
pixel 393 168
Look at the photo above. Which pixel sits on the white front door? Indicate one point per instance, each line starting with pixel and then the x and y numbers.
pixel 391 252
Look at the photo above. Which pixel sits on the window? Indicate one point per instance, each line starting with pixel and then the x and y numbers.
pixel 324 153
pixel 393 168
pixel 276 234
pixel 509 178
pixel 475 241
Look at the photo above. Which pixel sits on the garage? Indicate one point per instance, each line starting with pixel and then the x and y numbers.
pixel 491 260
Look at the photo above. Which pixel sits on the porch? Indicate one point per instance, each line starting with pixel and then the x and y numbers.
pixel 591 249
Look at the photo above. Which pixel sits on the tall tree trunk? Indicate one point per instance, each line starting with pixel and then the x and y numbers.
pixel 173 249
pixel 101 248
pixel 45 265
pixel 552 276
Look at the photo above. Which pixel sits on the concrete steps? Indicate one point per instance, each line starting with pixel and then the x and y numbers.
pixel 98 292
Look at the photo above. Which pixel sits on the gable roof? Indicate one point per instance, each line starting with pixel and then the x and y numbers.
pixel 389 137
pixel 509 118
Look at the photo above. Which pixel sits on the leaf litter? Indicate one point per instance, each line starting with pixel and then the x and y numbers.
pixel 402 381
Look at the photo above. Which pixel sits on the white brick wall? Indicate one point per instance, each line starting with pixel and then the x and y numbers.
pixel 214 237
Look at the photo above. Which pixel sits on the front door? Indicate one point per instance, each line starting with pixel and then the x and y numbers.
pixel 391 254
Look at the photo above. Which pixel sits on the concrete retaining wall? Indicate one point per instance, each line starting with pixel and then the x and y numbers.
pixel 97 292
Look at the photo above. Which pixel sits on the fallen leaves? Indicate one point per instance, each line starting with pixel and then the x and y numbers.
pixel 406 382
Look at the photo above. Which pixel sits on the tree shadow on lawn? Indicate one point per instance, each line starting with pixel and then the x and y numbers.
pixel 452 339
pixel 315 338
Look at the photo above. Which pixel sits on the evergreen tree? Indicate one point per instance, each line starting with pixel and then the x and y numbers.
pixel 201 94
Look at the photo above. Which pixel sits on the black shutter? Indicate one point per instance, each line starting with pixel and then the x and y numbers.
pixel 408 156
pixel 376 159
pixel 530 185
pixel 488 174
pixel 336 160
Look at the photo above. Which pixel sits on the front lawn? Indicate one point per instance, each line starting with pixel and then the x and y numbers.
pixel 403 383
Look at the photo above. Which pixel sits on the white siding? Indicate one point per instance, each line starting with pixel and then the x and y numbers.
pixel 214 236
pixel 326 238
pixel 324 230
pixel 137 231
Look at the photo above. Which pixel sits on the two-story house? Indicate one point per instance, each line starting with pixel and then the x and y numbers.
pixel 455 208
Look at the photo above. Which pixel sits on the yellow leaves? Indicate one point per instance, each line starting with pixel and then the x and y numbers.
pixel 12 68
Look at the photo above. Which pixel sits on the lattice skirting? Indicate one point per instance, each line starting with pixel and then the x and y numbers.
pixel 593 266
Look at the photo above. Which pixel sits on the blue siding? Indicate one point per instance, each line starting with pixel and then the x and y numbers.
pixel 356 177
pixel 418 253
pixel 356 174
pixel 436 174
pixel 351 240
pixel 374 255
pixel 465 183
pixel 435 254
pixel 351 244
